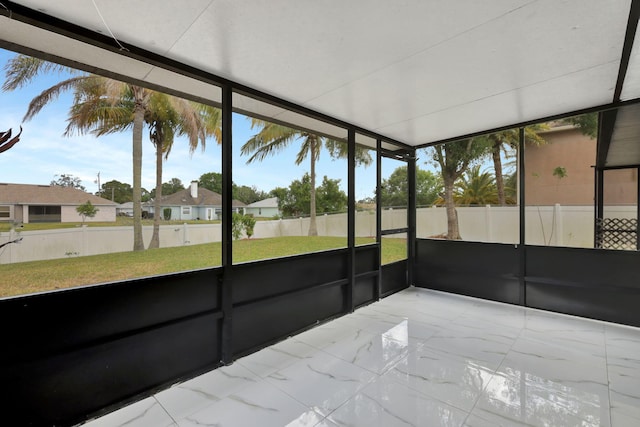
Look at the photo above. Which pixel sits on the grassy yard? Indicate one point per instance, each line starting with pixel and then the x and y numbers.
pixel 37 276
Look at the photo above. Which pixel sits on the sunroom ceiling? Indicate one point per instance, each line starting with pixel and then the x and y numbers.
pixel 415 71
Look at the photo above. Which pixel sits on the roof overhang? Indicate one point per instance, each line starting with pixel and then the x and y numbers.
pixel 414 72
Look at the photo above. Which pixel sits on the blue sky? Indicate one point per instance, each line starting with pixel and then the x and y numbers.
pixel 43 152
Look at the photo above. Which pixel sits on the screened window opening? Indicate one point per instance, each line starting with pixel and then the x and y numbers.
pixel 91 211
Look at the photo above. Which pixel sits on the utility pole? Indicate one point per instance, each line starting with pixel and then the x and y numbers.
pixel 98 182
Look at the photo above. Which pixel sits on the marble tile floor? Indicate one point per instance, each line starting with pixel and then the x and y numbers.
pixel 418 358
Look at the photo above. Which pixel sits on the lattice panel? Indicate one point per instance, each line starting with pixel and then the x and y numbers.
pixel 617 233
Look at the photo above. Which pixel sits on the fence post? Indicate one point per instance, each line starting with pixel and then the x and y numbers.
pixel 84 240
pixel 557 214
pixel 185 234
pixel 12 236
pixel 488 222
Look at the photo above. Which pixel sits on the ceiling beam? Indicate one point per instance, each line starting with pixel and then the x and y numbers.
pixel 630 35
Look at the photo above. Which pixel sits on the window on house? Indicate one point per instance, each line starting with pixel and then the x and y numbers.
pixel 5 212
pixel 186 210
pixel 45 213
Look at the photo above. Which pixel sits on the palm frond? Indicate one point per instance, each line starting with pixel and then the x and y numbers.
pixel 22 69
pixel 50 94
pixel 271 139
pixel 6 142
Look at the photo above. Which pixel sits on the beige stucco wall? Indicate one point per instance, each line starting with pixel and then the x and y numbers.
pixel 105 214
pixel 568 148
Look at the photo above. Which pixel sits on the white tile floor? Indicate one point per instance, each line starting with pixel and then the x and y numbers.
pixel 418 358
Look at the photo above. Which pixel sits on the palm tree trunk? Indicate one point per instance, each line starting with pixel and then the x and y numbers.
pixel 138 122
pixel 453 228
pixel 155 237
pixel 313 227
pixel 497 167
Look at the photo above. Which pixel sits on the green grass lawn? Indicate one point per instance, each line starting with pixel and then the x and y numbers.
pixel 37 276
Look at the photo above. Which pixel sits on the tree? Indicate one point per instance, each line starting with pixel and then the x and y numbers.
pixel 243 193
pixel 500 142
pixel 248 223
pixel 454 158
pixel 211 181
pixel 103 106
pixel 273 138
pixel 247 194
pixel 6 142
pixel 295 200
pixel 170 187
pixel 475 188
pixel 116 191
pixel 330 199
pixel 166 116
pixel 394 190
pixel 87 210
pixel 68 180
pixel 587 123
pixel 116 105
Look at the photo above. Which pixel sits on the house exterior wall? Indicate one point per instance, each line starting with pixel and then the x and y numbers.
pixel 104 214
pixel 567 147
pixel 262 212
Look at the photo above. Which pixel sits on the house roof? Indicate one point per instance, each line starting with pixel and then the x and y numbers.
pixel 27 194
pixel 271 202
pixel 205 198
pixel 414 72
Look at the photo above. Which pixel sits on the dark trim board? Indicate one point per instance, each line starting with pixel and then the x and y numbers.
pixel 594 283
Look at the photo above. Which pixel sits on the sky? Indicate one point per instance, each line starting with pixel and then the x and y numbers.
pixel 43 153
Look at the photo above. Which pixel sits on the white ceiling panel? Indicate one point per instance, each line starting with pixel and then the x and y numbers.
pixel 152 24
pixel 25 35
pixel 481 64
pixel 566 93
pixel 416 71
pixel 301 50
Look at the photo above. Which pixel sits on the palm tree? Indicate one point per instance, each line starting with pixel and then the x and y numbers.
pixel 98 111
pixel 476 188
pixel 168 116
pixel 104 106
pixel 501 141
pixel 22 69
pixel 273 138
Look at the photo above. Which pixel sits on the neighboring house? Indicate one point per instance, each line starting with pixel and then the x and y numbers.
pixel 125 209
pixel 50 203
pixel 267 208
pixel 195 203
pixel 568 148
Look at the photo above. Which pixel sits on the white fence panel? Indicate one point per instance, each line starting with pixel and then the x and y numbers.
pixel 545 225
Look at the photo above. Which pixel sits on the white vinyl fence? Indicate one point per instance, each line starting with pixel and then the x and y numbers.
pixel 545 225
